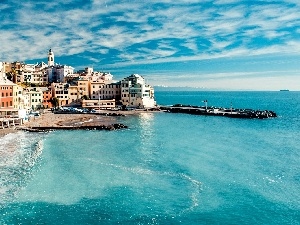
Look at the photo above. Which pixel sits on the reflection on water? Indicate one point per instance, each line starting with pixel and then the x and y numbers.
pixel 146 134
pixel 146 122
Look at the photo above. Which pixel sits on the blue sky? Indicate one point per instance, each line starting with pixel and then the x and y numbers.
pixel 208 44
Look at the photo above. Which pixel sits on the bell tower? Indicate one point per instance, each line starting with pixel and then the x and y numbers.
pixel 50 58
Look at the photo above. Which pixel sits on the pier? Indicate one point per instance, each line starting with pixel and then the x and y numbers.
pixel 219 111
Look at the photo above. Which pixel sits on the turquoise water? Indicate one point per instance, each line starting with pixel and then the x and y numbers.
pixel 165 169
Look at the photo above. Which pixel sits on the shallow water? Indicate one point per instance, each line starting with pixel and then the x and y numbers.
pixel 165 169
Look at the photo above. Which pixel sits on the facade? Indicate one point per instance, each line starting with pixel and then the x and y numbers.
pixel 74 94
pixel 15 69
pixel 111 91
pixel 36 77
pixel 99 104
pixel 62 71
pixel 41 66
pixel 35 97
pixel 18 97
pixel 135 93
pixel 83 88
pixel 57 73
pixel 6 96
pixel 26 100
pixel 95 88
pixel 50 58
pixel 87 87
pixel 40 78
pixel 47 97
pixel 61 92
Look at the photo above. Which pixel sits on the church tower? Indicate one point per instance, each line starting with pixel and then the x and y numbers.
pixel 50 58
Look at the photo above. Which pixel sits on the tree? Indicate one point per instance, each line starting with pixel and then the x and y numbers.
pixel 9 76
pixel 85 97
pixel 55 102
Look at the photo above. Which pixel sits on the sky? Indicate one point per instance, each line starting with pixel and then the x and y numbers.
pixel 204 44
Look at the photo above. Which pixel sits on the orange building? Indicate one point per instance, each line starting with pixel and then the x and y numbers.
pixel 47 96
pixel 6 97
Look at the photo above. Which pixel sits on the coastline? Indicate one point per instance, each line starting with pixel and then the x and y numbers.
pixel 6 131
pixel 49 119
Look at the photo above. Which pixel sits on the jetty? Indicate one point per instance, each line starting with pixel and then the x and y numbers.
pixel 219 111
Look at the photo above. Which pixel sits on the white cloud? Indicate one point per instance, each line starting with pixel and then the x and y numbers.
pixel 219 29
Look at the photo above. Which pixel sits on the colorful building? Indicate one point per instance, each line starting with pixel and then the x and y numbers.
pixel 6 97
pixel 47 97
pixel 136 93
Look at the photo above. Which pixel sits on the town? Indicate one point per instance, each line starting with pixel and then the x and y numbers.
pixel 27 88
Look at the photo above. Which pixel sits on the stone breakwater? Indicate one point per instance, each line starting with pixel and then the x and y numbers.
pixel 219 111
pixel 89 127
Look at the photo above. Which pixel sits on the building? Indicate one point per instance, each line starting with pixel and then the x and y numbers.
pixel 50 58
pixel 6 96
pixel 18 97
pixel 95 88
pixel 99 104
pixel 61 92
pixel 35 97
pixel 40 66
pixel 111 91
pixel 74 95
pixel 57 73
pixel 47 97
pixel 39 78
pixel 14 70
pixel 136 93
pixel 83 88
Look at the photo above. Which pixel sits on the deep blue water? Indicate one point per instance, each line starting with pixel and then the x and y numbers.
pixel 165 169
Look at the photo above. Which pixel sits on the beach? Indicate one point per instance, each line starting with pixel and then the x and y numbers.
pixel 6 131
pixel 49 119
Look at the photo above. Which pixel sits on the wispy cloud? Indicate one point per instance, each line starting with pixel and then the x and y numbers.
pixel 121 33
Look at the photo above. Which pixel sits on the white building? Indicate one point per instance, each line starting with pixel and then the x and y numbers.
pixel 40 66
pixel 36 77
pixel 135 93
pixel 57 73
pixel 28 67
pixel 50 58
pixel 35 97
pixel 18 97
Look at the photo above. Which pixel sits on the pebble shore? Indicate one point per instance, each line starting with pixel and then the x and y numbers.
pixel 49 119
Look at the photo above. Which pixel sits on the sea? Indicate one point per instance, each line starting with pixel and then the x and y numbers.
pixel 166 168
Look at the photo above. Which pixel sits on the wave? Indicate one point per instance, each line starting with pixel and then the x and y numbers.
pixel 19 153
pixel 196 186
